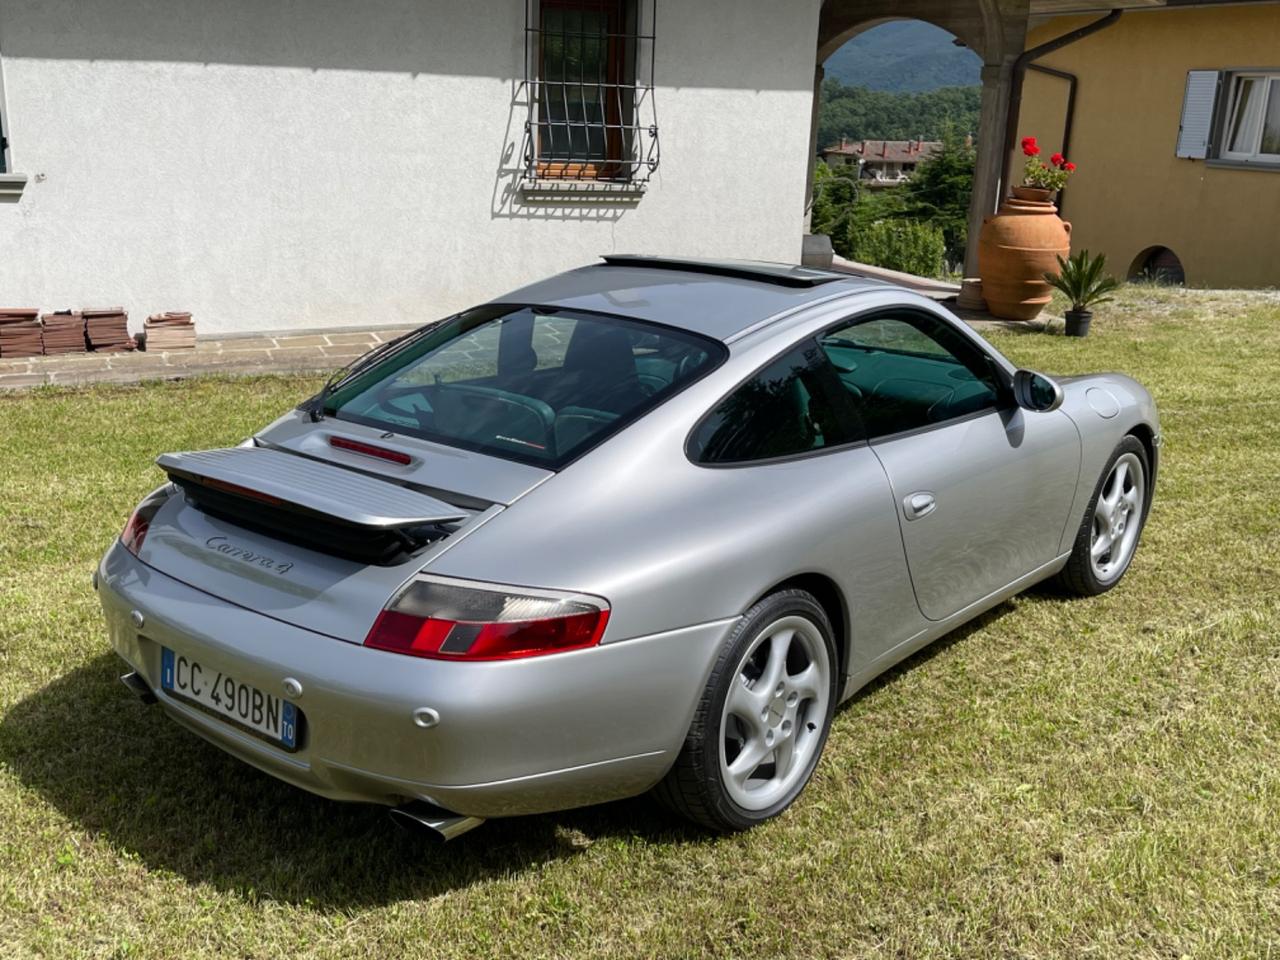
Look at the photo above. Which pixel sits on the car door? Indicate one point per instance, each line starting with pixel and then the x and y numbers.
pixel 787 447
pixel 982 487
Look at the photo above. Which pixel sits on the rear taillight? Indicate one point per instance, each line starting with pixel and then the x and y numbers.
pixel 453 620
pixel 139 522
pixel 135 531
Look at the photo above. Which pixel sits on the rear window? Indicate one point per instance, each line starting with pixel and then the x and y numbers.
pixel 537 385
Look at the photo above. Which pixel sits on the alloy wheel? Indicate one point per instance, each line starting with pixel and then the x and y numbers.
pixel 771 727
pixel 1117 519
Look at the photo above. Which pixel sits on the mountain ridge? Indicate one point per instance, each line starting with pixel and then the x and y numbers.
pixel 904 56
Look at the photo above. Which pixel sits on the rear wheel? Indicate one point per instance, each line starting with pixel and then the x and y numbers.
pixel 1108 536
pixel 763 718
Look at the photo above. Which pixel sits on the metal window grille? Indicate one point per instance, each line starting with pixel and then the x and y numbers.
pixel 589 89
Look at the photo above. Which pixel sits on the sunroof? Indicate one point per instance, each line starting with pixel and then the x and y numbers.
pixel 782 274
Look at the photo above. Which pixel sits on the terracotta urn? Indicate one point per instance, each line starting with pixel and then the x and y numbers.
pixel 1016 248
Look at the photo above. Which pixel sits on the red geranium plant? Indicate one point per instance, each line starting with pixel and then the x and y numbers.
pixel 1046 176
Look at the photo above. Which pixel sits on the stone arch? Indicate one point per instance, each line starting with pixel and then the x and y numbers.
pixel 979 24
pixel 996 30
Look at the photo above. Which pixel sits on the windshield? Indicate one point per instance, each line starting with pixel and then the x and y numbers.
pixel 534 384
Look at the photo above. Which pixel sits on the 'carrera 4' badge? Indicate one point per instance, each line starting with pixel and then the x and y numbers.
pixel 227 548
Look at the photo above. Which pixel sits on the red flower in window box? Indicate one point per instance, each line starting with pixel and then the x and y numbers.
pixel 1057 159
pixel 1030 147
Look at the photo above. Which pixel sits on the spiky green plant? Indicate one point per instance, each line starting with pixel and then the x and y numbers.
pixel 1084 280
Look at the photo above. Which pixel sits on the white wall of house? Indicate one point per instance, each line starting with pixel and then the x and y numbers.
pixel 273 165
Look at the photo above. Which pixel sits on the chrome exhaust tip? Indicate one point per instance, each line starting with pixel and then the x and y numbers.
pixel 138 687
pixel 435 822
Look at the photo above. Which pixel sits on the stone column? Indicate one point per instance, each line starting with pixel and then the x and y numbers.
pixel 997 79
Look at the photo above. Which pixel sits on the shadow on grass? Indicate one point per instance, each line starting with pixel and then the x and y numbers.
pixel 124 771
pixel 985 321
pixel 1044 592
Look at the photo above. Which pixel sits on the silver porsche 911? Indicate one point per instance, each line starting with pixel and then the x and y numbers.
pixel 640 526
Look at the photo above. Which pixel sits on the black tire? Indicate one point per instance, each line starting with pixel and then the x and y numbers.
pixel 693 787
pixel 1078 576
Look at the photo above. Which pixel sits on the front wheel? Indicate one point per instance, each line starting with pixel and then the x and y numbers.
pixel 1108 536
pixel 762 720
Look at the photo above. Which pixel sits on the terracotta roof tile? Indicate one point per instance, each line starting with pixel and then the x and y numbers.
pixel 886 151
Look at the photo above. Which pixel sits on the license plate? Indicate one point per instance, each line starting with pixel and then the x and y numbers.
pixel 224 695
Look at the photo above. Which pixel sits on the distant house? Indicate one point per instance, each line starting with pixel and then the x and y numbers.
pixel 1173 117
pixel 883 162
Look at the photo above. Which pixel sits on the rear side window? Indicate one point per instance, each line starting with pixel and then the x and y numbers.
pixel 792 406
pixel 537 385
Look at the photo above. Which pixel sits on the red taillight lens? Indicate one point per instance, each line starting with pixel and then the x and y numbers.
pixel 135 531
pixel 139 522
pixel 446 620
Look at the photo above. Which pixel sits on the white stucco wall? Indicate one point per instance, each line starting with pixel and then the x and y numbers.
pixel 273 165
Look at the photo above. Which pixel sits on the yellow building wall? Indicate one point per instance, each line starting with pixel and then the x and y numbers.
pixel 1130 192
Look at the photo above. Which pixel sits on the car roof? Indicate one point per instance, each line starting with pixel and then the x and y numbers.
pixel 715 298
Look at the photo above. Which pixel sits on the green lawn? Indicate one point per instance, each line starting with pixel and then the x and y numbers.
pixel 1062 779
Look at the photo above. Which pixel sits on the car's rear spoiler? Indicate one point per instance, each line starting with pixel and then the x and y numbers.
pixel 301 485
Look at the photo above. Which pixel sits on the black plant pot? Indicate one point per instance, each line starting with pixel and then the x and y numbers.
pixel 1078 322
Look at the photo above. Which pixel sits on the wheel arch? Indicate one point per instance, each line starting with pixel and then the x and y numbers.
pixel 832 600
pixel 1143 433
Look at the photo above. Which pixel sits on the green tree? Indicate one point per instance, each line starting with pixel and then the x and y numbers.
pixel 844 206
pixel 938 192
pixel 898 244
pixel 860 114
pixel 873 207
pixel 835 197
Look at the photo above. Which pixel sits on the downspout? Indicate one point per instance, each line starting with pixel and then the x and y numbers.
pixel 1072 81
pixel 1020 72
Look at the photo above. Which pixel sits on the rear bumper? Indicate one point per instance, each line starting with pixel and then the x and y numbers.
pixel 513 737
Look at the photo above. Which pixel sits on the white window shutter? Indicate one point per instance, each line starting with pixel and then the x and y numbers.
pixel 1198 104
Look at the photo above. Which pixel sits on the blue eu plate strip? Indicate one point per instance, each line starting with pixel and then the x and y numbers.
pixel 166 668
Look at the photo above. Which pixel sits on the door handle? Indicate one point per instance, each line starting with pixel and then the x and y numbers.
pixel 917 505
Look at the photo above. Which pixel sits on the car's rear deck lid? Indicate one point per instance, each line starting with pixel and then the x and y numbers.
pixel 303 485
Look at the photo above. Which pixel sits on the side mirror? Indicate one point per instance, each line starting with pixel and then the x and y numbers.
pixel 1035 391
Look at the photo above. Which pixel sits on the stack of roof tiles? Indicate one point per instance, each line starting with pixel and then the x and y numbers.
pixel 170 331
pixel 107 329
pixel 20 332
pixel 64 333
